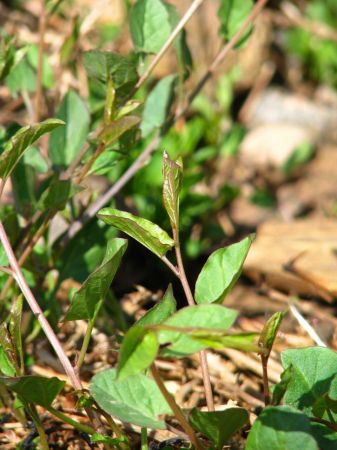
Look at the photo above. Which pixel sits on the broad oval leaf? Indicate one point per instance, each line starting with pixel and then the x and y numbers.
pixel 161 311
pixel 147 233
pixel 88 298
pixel 21 141
pixel 136 400
pixel 117 128
pixel 219 426
pixel 200 316
pixel 158 104
pixel 221 271
pixel 313 372
pixel 65 143
pixel 138 351
pixel 39 390
pixel 281 428
pixel 150 25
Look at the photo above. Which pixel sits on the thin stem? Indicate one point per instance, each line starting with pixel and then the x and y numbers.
pixel 266 390
pixel 191 302
pixel 175 408
pixel 143 439
pixel 85 345
pixel 38 425
pixel 324 422
pixel 171 266
pixel 28 250
pixel 77 425
pixel 49 332
pixel 186 17
pixel 91 161
pixel 39 72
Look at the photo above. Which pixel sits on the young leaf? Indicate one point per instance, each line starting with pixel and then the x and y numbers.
pixel 269 333
pixel 161 311
pixel 221 271
pixel 137 353
pixel 65 143
pixel 173 174
pixel 314 369
pixel 150 25
pixel 281 428
pixel 39 390
pixel 88 298
pixel 9 356
pixel 129 106
pixel 158 104
pixel 21 141
pixel 117 128
pixel 103 65
pixel 136 400
pixel 15 328
pixel 232 14
pixel 6 366
pixel 219 426
pixel 147 233
pixel 247 342
pixel 215 317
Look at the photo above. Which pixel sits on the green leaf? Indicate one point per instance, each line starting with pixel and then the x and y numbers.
pixel 147 233
pixel 6 365
pixel 269 332
pixel 161 311
pixel 158 104
pixel 7 55
pixel 221 271
pixel 88 298
pixel 25 137
pixel 9 356
pixel 55 197
pixel 232 14
pixel 281 428
pixel 173 174
pixel 15 328
pixel 299 157
pixel 246 342
pixel 325 436
pixel 138 351
pixel 38 390
pixel 219 426
pixel 103 65
pixel 150 25
pixel 65 143
pixel 136 400
pixel 314 370
pixel 129 106
pixel 117 128
pixel 202 316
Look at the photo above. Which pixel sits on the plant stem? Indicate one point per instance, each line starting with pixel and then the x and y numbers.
pixel 186 17
pixel 100 148
pixel 39 72
pixel 175 408
pixel 143 439
pixel 85 345
pixel 38 425
pixel 191 302
pixel 324 422
pixel 171 266
pixel 49 332
pixel 266 390
pixel 77 425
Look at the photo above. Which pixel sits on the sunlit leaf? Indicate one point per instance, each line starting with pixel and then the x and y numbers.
pixel 172 174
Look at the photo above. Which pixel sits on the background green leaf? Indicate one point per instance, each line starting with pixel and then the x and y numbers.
pixel 232 13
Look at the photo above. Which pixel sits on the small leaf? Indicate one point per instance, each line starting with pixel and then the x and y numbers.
pixel 221 271
pixel 150 25
pixel 117 128
pixel 88 298
pixel 7 55
pixel 6 365
pixel 9 356
pixel 161 311
pixel 15 327
pixel 281 428
pixel 136 400
pixel 157 105
pixel 65 143
pixel 202 316
pixel 219 426
pixel 246 342
pixel 173 174
pixel 129 106
pixel 314 370
pixel 39 390
pixel 55 197
pixel 138 351
pixel 232 15
pixel 25 137
pixel 269 332
pixel 147 233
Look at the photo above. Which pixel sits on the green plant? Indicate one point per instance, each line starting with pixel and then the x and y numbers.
pixel 125 119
